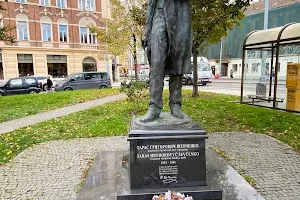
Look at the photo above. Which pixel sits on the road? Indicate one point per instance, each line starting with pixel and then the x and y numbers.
pixel 226 86
pixel 233 87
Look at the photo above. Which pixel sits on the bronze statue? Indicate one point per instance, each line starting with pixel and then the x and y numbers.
pixel 168 38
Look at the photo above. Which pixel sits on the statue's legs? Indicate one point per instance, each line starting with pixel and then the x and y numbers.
pixel 175 97
pixel 159 45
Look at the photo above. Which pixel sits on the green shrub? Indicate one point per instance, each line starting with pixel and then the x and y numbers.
pixel 136 92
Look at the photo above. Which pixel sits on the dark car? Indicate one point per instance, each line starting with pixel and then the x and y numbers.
pixel 84 80
pixel 22 85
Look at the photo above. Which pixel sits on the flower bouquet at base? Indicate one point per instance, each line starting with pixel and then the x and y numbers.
pixel 171 196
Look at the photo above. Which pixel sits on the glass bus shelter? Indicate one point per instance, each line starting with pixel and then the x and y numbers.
pixel 266 57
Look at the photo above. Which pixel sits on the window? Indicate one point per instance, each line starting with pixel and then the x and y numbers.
pixel 86 37
pixel 30 81
pixel 83 35
pixel 22 31
pixel 81 4
pixel 46 32
pixel 61 3
pixel 78 77
pixel 63 33
pixel 103 75
pixel 21 1
pixel 86 5
pixel 90 76
pixel 234 67
pixel 15 83
pixel 92 38
pixel 90 5
pixel 45 2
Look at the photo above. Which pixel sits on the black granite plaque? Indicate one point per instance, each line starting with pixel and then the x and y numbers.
pixel 162 158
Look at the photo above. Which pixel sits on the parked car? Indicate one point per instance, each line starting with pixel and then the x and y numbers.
pixel 142 78
pixel 43 80
pixel 202 79
pixel 84 80
pixel 204 72
pixel 22 85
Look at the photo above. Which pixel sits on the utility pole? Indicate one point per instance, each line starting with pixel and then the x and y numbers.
pixel 107 60
pixel 221 50
pixel 265 53
pixel 266 19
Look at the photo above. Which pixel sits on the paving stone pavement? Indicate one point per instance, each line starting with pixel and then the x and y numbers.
pixel 44 116
pixel 273 164
pixel 53 170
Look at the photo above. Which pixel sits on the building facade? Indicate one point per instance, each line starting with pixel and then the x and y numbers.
pixel 53 37
pixel 280 14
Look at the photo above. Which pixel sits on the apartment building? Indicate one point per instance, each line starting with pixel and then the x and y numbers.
pixel 52 37
pixel 281 12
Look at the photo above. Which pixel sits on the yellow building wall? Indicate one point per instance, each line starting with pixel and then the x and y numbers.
pixel 9 63
pixel 40 63
pixel 74 60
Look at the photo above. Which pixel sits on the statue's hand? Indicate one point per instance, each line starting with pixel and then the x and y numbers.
pixel 145 43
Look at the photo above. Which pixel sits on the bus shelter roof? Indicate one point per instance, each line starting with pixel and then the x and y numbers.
pixel 264 39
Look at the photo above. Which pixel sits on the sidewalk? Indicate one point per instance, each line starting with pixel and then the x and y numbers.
pixel 115 84
pixel 41 117
pixel 238 80
pixel 53 170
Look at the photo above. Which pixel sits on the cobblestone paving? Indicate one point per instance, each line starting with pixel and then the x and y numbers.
pixel 274 165
pixel 53 170
pixel 41 117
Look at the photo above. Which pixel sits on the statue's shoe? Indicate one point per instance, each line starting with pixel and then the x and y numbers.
pixel 176 112
pixel 152 114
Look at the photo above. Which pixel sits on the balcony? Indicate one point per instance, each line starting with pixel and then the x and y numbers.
pixel 89 46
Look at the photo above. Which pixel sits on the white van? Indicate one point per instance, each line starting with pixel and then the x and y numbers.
pixel 204 72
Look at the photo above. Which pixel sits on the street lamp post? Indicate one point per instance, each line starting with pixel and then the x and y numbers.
pixel 264 53
pixel 221 50
pixel 266 18
pixel 107 60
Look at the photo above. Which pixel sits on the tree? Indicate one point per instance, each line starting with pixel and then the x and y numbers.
pixel 211 19
pixel 4 36
pixel 125 26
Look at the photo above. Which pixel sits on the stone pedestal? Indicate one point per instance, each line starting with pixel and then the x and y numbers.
pixel 167 153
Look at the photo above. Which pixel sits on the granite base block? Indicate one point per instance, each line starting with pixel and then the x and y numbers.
pixel 108 179
pixel 169 153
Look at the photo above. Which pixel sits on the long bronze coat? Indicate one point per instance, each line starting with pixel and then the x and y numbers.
pixel 179 31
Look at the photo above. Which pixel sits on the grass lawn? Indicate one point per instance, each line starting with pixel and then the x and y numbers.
pixel 213 112
pixel 13 107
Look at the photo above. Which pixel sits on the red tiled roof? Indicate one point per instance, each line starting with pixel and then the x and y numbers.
pixel 259 7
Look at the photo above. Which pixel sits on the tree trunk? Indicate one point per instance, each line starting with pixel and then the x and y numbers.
pixel 195 71
pixel 135 57
pixel 115 69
